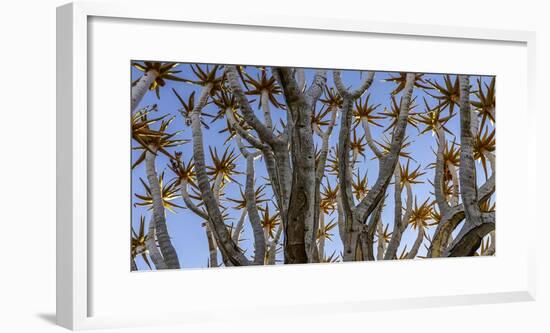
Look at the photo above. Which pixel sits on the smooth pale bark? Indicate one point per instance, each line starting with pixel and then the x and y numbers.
pixel 301 78
pixel 345 180
pixel 397 233
pixel 418 241
pixel 273 246
pixel 340 218
pixel 239 227
pixel 152 248
pixel 474 123
pixel 322 238
pixel 265 108
pixel 190 204
pixel 267 153
pixel 381 242
pixel 325 137
pixel 356 215
pixel 450 216
pixel 352 224
pixel 230 251
pixel 351 227
pixel 322 160
pixel 212 249
pixel 141 87
pixel 408 209
pixel 440 197
pixel 217 187
pixel 277 163
pixel 398 218
pixel 255 142
pixel 454 178
pixel 264 133
pixel 253 216
pixel 275 149
pixel 477 225
pixel 375 223
pixel 370 201
pixel 369 139
pixel 163 237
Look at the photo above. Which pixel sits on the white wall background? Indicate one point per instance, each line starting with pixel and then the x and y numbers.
pixel 27 167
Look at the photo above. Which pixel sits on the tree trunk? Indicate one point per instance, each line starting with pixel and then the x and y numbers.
pixel 133 266
pixel 163 237
pixel 253 216
pixel 467 163
pixel 239 227
pixel 470 238
pixel 322 238
pixel 398 218
pixel 300 225
pixel 416 246
pixel 141 87
pixel 212 251
pixel 153 249
pixel 230 251
pixel 380 249
pixel 369 203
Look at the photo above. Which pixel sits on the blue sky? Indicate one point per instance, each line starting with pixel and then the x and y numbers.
pixel 188 236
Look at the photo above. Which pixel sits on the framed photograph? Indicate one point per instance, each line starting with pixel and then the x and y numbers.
pixel 215 166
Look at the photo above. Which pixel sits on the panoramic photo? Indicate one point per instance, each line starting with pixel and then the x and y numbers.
pixel 238 165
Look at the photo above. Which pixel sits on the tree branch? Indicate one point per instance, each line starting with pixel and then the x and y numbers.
pixel 159 219
pixel 251 206
pixel 453 217
pixel 396 235
pixel 440 197
pixel 369 202
pixel 264 133
pixel 151 245
pixel 467 164
pixel 229 249
pixel 316 88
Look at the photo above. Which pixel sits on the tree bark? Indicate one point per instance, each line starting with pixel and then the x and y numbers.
pixel 239 227
pixel 467 163
pixel 452 218
pixel 440 197
pixel 369 202
pixel 230 251
pixel 152 248
pixel 253 216
pixel 300 227
pixel 212 249
pixel 471 236
pixel 141 87
pixel 163 237
pixel 418 241
pixel 398 218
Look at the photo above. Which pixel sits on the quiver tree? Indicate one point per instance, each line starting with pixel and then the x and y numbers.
pixel 153 142
pixel 297 146
pixel 155 75
pixel 477 224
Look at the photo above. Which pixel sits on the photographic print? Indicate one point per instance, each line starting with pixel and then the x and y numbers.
pixel 238 165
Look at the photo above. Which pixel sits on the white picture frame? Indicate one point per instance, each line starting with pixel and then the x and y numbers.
pixel 74 285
